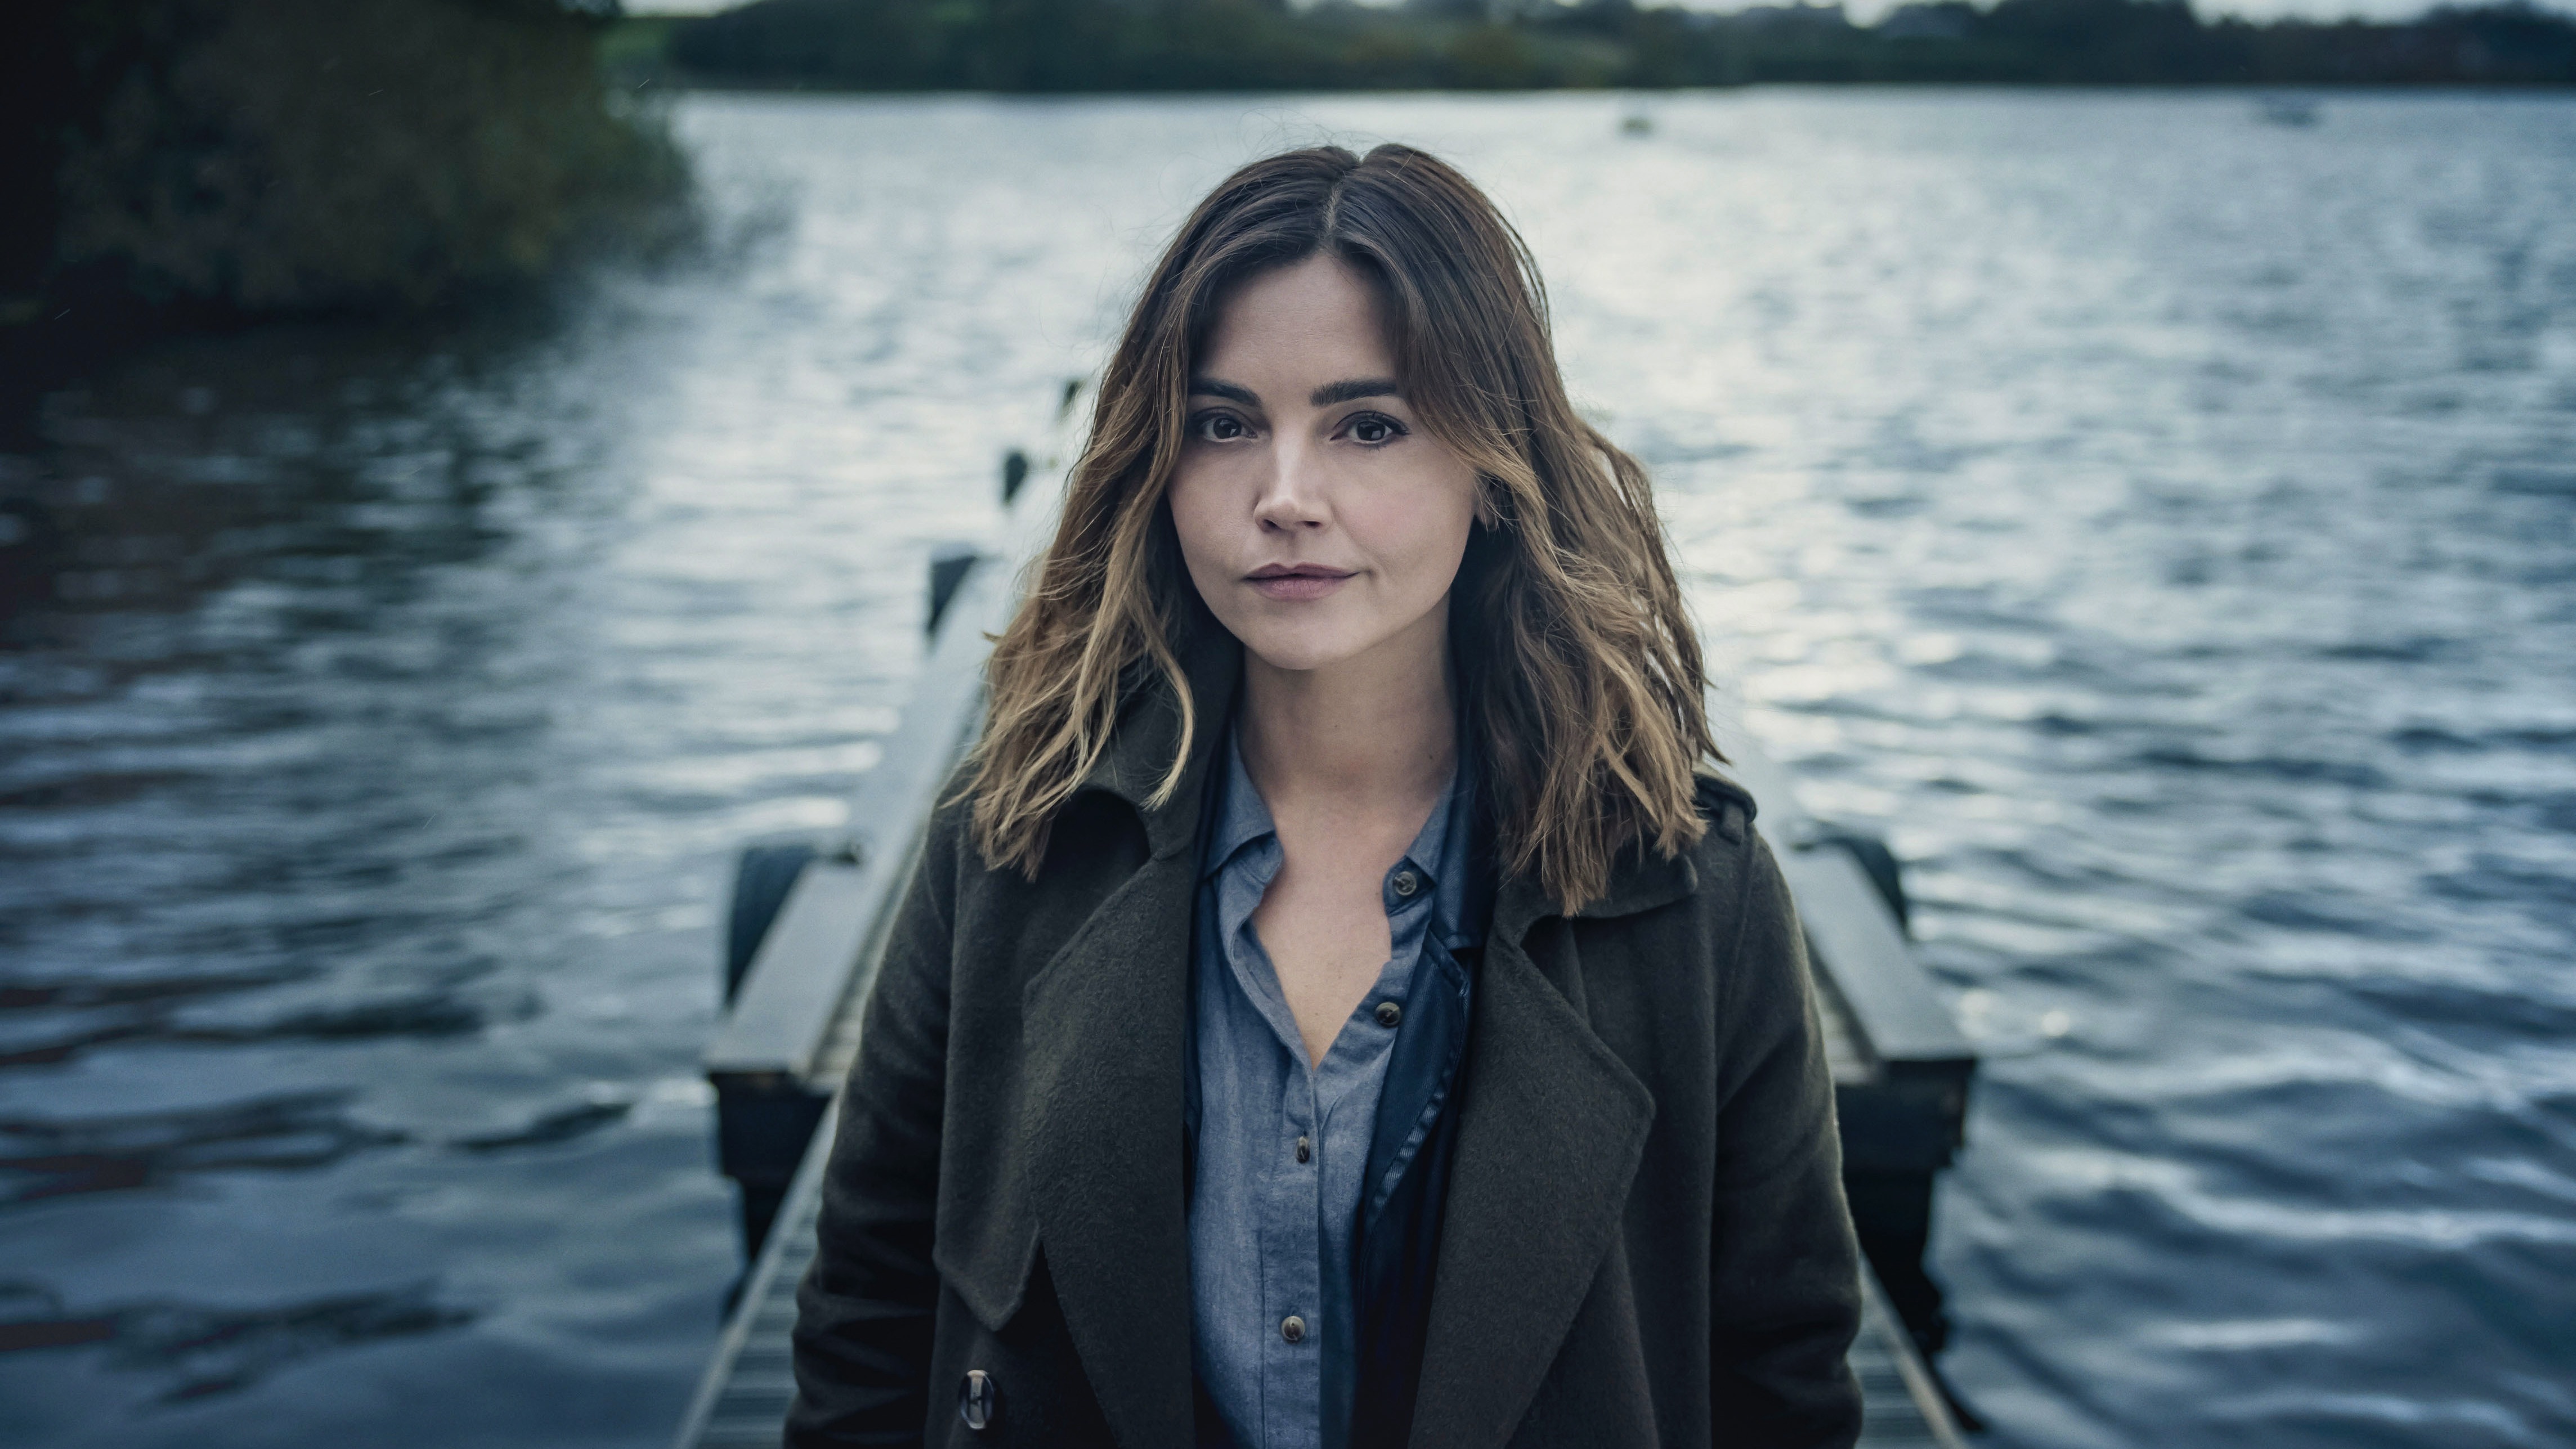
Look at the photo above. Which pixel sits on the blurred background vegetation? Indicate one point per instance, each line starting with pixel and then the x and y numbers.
pixel 1210 45
pixel 208 160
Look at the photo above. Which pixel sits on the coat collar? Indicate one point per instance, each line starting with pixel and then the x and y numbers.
pixel 1640 881
pixel 1148 733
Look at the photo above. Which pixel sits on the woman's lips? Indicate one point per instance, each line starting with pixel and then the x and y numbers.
pixel 1295 583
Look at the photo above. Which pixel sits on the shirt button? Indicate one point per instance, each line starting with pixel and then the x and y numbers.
pixel 1293 1329
pixel 1406 883
pixel 1388 1013
pixel 1304 1151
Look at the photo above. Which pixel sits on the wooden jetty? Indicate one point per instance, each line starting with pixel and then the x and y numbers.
pixel 809 925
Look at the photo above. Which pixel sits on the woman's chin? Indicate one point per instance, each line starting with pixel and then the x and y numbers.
pixel 1289 644
pixel 1301 651
pixel 1295 659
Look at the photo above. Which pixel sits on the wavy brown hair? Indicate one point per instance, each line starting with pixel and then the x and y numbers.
pixel 1579 674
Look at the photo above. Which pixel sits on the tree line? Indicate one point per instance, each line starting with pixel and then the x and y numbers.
pixel 1222 45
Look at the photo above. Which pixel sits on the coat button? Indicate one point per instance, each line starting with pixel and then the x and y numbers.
pixel 979 1400
pixel 1305 1149
pixel 1406 883
pixel 1293 1329
pixel 1388 1013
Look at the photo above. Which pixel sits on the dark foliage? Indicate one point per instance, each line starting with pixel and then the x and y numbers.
pixel 316 154
pixel 194 160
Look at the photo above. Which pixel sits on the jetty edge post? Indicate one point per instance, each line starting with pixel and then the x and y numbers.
pixel 790 1027
pixel 788 1030
pixel 1902 1067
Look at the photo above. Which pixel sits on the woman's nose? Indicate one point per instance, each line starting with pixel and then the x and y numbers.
pixel 1292 495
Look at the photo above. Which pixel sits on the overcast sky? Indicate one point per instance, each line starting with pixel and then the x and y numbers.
pixel 1861 10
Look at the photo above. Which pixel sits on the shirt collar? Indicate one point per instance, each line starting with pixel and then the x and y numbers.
pixel 1242 816
pixel 1438 856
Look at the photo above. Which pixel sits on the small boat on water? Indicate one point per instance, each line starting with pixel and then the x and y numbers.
pixel 807 925
pixel 2287 110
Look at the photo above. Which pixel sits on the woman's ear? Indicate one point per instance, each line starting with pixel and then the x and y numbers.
pixel 1488 517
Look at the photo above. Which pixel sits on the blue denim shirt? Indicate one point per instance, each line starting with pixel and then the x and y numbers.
pixel 1282 1146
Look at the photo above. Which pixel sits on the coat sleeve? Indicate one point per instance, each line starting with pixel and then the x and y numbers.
pixel 865 1309
pixel 1784 1266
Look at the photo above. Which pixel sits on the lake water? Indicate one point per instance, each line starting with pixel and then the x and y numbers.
pixel 2160 523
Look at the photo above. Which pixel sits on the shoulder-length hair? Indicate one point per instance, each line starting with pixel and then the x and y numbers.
pixel 1579 674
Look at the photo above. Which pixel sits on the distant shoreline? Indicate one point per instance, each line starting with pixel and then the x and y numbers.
pixel 2248 90
pixel 1072 47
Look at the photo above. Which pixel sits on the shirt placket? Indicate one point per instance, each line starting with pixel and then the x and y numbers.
pixel 1310 1163
pixel 1292 1287
pixel 1290 1272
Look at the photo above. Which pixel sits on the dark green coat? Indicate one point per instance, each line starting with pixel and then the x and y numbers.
pixel 1645 1241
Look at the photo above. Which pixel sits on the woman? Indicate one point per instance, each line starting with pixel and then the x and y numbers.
pixel 1334 1010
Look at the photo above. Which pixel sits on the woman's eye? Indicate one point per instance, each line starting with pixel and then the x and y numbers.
pixel 1218 427
pixel 1374 428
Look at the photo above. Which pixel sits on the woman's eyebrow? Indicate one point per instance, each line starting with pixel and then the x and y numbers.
pixel 1351 390
pixel 1218 387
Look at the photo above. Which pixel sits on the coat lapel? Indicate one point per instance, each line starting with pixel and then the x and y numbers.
pixel 1552 1126
pixel 1103 1027
pixel 1102 1122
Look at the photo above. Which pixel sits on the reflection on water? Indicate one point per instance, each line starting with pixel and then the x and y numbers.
pixel 2159 521
pixel 191 1353
pixel 113 1154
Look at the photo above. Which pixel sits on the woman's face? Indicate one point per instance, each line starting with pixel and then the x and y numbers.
pixel 1320 522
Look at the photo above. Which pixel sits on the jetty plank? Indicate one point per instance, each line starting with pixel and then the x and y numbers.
pixel 786 1009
